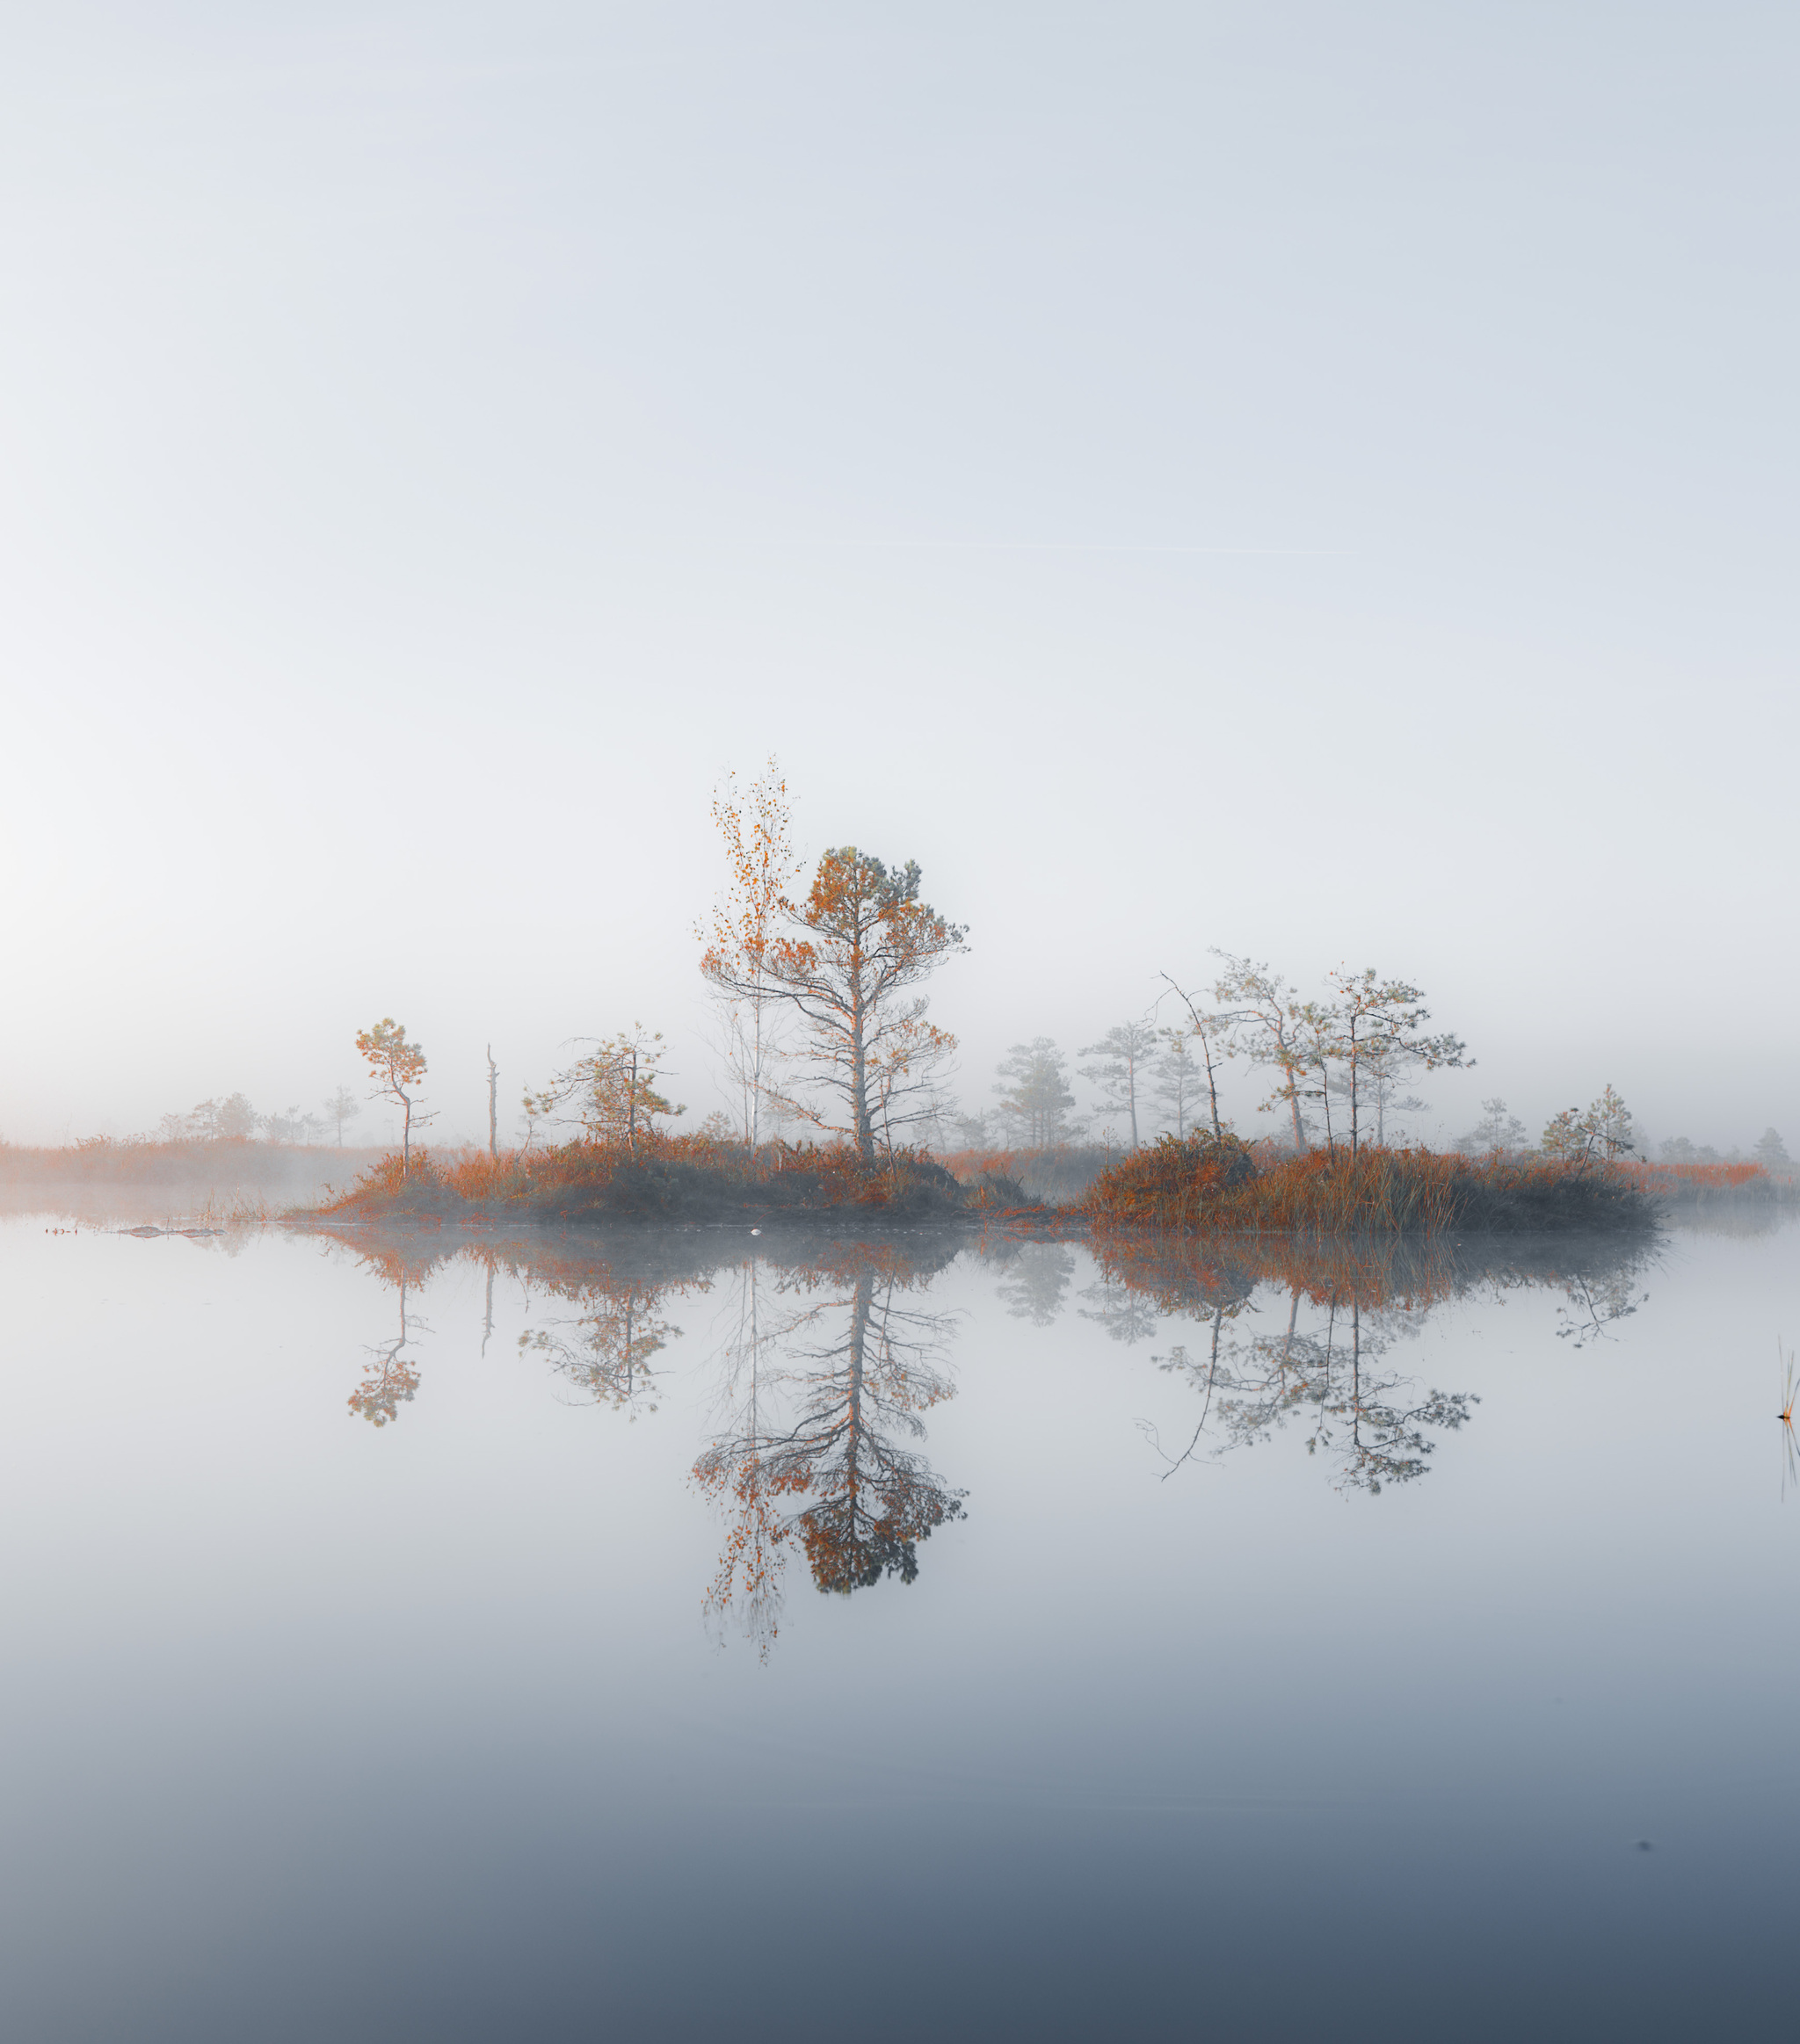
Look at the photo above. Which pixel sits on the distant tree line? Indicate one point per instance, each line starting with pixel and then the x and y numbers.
pixel 1337 1064
pixel 1603 1131
pixel 1768 1150
pixel 234 1119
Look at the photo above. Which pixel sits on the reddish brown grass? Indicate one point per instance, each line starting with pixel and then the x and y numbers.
pixel 1697 1183
pixel 99 1159
pixel 1218 1186
pixel 670 1175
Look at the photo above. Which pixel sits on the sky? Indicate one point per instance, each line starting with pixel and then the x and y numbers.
pixel 1308 480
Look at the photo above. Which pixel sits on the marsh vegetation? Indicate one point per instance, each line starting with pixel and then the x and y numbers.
pixel 843 1100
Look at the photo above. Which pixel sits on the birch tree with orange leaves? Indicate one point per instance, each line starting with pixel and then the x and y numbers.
pixel 757 827
pixel 845 966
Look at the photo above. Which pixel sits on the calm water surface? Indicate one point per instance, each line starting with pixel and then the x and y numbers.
pixel 696 1635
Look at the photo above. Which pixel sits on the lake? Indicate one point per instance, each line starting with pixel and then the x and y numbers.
pixel 694 1633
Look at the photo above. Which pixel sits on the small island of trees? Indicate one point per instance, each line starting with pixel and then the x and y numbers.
pixel 840 1076
pixel 839 1072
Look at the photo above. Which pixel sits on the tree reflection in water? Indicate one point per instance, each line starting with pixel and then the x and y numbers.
pixel 1597 1302
pixel 832 1359
pixel 827 1421
pixel 829 1364
pixel 389 1377
pixel 1033 1276
pixel 1369 1422
pixel 1359 1414
pixel 607 1351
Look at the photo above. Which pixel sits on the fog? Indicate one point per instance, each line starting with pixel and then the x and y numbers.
pixel 1313 482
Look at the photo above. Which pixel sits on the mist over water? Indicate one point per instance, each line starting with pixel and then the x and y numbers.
pixel 1269 525
pixel 398 1648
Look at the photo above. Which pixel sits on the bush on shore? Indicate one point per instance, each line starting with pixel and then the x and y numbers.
pixel 1204 1183
pixel 1218 1183
pixel 667 1178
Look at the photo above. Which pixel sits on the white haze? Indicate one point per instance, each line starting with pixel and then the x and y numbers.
pixel 1310 480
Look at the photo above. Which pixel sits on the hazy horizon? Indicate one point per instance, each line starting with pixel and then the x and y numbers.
pixel 1307 483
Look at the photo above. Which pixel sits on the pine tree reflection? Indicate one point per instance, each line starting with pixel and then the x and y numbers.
pixel 1360 1417
pixel 829 1424
pixel 1207 1380
pixel 1127 1313
pixel 1366 1420
pixel 389 1380
pixel 1597 1304
pixel 607 1352
pixel 1036 1277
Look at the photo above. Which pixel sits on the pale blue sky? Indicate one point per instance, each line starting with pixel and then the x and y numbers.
pixel 1315 479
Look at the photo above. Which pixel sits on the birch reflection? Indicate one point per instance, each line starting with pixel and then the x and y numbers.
pixel 832 1422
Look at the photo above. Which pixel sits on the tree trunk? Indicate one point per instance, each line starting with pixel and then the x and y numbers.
pixel 1291 1067
pixel 493 1105
pixel 1212 1087
pixel 1353 1088
pixel 863 1127
pixel 861 1313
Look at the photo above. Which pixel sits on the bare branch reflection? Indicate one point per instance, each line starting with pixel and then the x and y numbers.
pixel 1335 1380
pixel 1361 1418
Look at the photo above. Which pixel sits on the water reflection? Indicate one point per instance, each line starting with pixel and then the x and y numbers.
pixel 390 1379
pixel 832 1372
pixel 1033 1277
pixel 1790 1457
pixel 1597 1302
pixel 607 1351
pixel 826 1357
pixel 1359 1417
pixel 1371 1423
